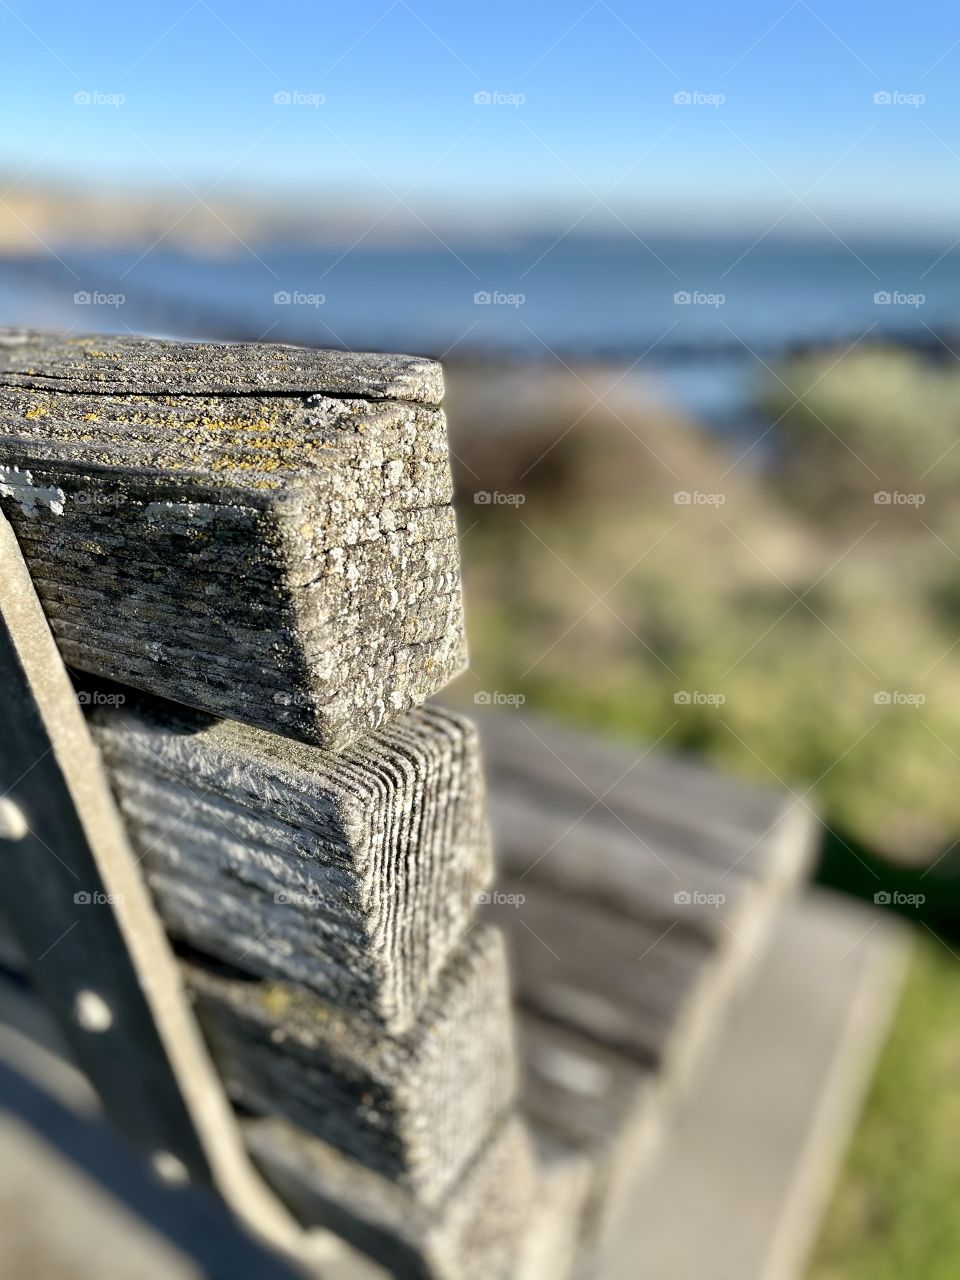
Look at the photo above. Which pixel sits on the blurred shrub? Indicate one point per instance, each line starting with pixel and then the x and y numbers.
pixel 872 421
pixel 816 646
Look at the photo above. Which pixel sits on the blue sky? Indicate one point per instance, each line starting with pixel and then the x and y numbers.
pixel 585 122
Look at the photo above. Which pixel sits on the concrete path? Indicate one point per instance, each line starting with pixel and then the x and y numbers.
pixel 738 1187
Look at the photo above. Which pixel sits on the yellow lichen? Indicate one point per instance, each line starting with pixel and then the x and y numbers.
pixel 276 999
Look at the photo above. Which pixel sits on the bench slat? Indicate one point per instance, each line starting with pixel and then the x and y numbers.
pixel 353 874
pixel 279 552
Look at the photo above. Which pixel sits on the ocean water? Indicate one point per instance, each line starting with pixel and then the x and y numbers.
pixel 698 319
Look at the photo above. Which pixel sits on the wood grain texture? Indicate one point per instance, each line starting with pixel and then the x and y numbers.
pixel 594 1103
pixel 414 1108
pixel 280 552
pixel 476 1234
pixel 635 887
pixel 636 891
pixel 630 825
pixel 353 874
pixel 632 985
pixel 582 1094
pixel 127 363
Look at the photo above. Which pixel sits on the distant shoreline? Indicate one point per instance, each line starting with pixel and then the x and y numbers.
pixel 208 320
pixel 580 307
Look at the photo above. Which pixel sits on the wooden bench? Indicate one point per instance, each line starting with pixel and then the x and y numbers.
pixel 259 541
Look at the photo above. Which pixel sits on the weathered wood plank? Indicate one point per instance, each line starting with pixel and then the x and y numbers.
pixel 264 551
pixel 475 1235
pixel 614 1017
pixel 649 872
pixel 351 873
pixel 625 823
pixel 630 984
pixel 636 890
pixel 582 1093
pixel 129 363
pixel 414 1108
pixel 599 1105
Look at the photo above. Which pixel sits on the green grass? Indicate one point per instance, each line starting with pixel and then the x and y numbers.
pixel 895 1214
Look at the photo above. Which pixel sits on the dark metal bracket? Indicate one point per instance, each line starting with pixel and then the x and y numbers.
pixel 95 949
